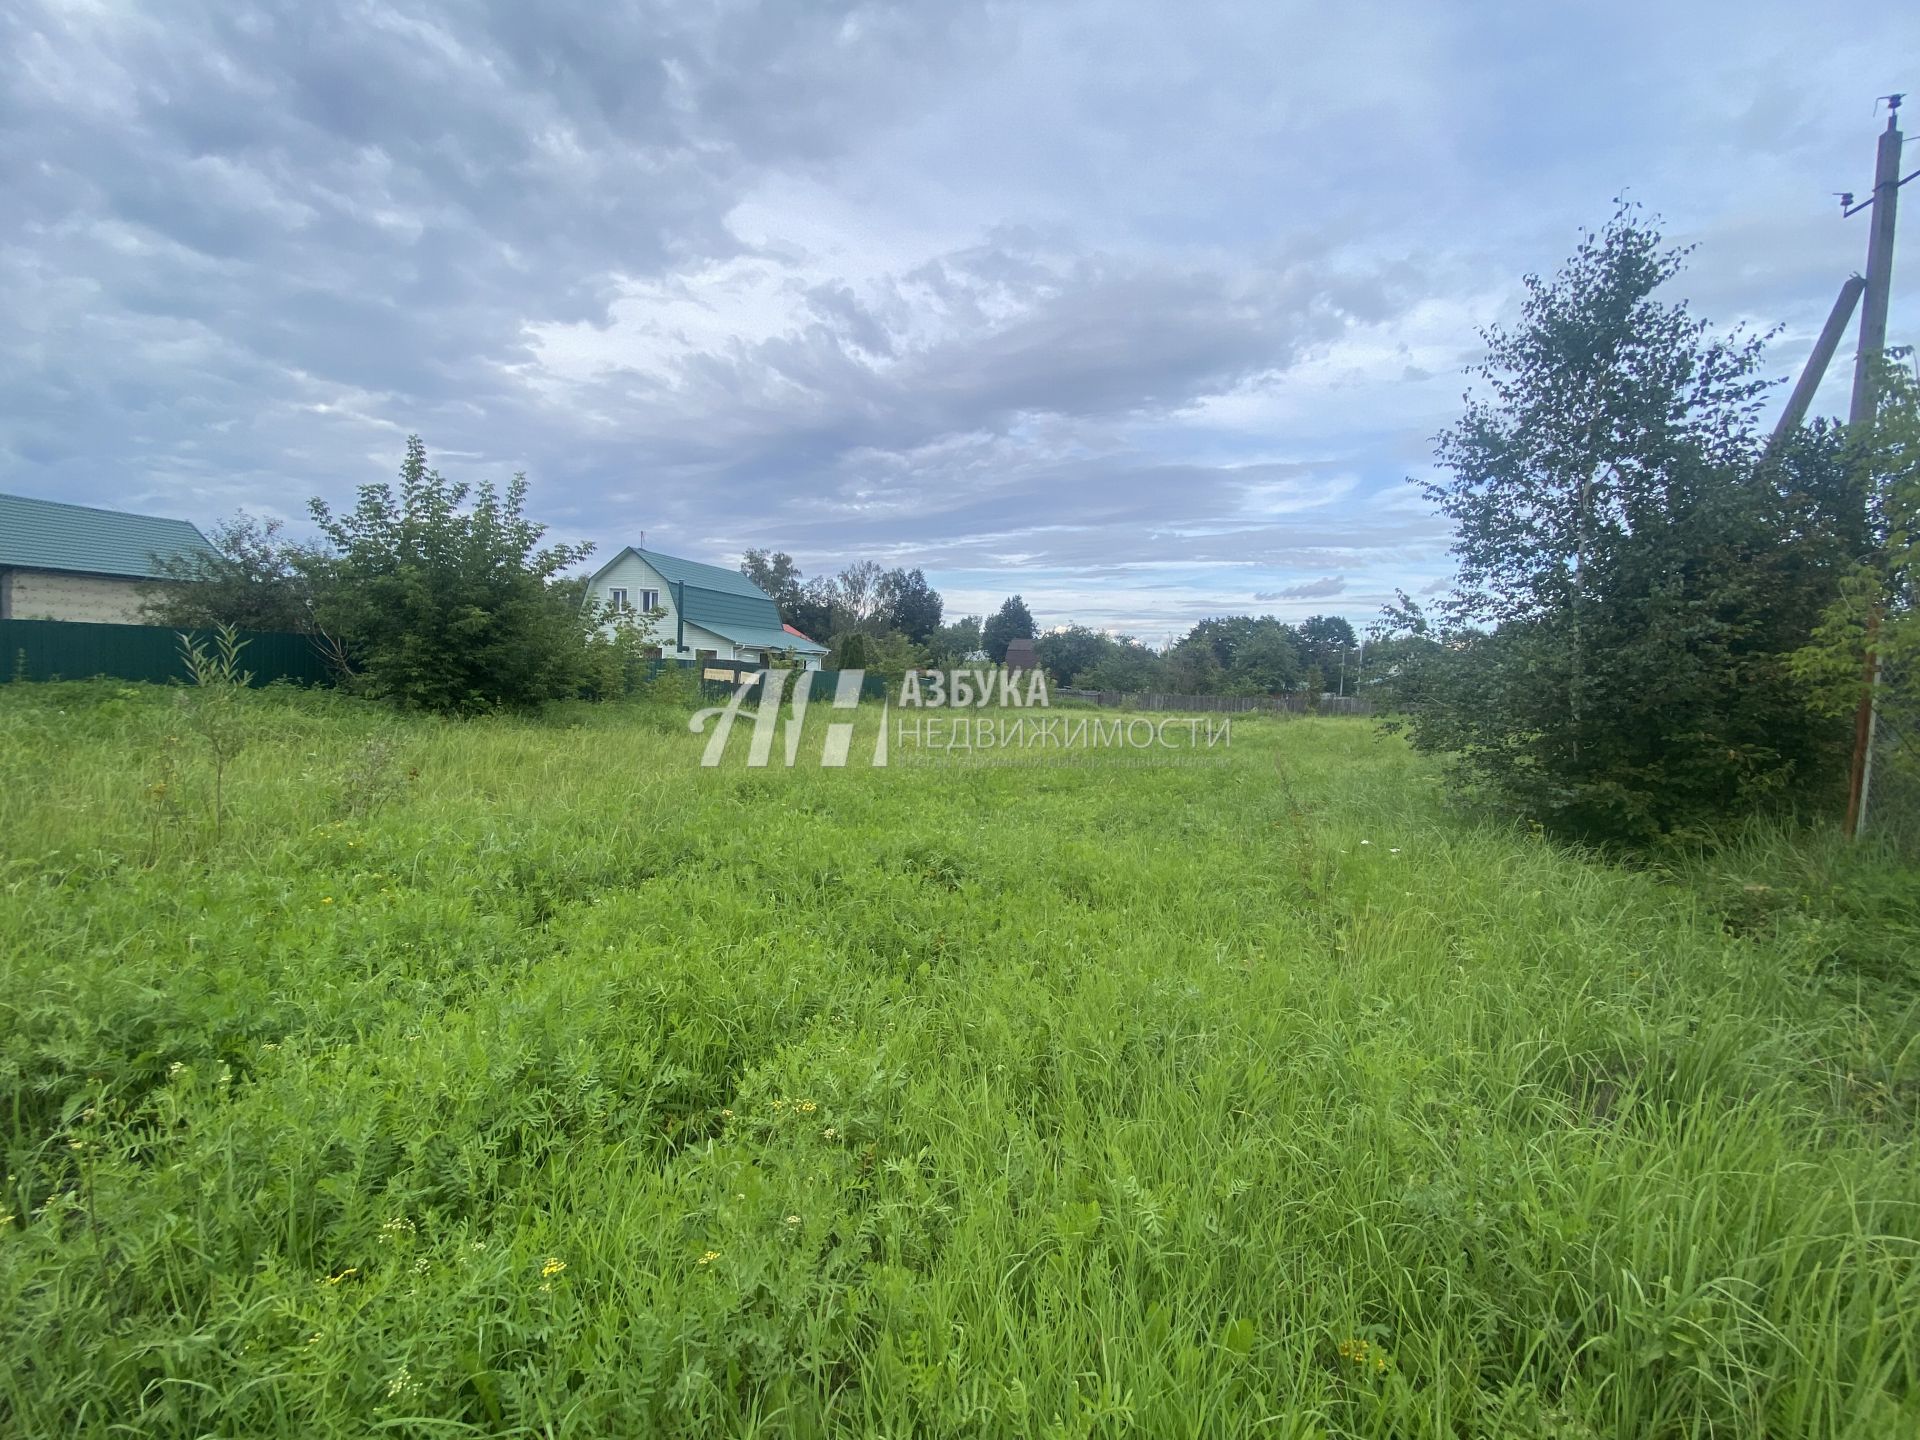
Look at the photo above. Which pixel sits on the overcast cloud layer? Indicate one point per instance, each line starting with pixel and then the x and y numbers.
pixel 1146 311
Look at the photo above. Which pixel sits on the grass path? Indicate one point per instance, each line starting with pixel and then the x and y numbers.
pixel 524 1078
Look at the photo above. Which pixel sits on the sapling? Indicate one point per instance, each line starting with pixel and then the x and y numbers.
pixel 212 707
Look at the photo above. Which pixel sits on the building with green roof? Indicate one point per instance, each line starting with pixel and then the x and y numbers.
pixel 701 611
pixel 73 562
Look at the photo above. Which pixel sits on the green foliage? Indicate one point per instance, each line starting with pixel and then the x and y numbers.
pixel 570 1089
pixel 862 597
pixel 893 654
pixel 1195 669
pixel 1012 621
pixel 952 644
pixel 214 706
pixel 1401 647
pixel 446 608
pixel 853 650
pixel 1631 577
pixel 775 573
pixel 1090 659
pixel 1242 655
pixel 1875 610
pixel 1126 666
pixel 254 580
pixel 617 650
pixel 909 605
pixel 1327 643
pixel 1066 653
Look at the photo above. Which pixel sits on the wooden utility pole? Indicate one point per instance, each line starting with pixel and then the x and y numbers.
pixel 1885 203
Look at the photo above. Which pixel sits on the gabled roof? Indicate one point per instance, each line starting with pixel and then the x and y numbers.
pixel 53 535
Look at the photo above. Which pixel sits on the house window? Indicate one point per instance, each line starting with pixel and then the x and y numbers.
pixel 617 598
pixel 649 601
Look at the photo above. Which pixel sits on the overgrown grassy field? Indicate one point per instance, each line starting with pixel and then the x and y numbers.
pixel 522 1077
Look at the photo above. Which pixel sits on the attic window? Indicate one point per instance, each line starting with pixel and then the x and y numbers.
pixel 649 600
pixel 617 598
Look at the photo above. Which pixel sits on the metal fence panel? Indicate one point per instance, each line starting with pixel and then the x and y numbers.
pixel 80 650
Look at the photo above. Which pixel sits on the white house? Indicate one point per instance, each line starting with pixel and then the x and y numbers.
pixel 709 612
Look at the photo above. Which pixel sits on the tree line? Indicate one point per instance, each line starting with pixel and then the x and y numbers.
pixel 891 621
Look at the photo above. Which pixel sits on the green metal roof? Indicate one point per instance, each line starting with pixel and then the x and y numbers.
pixel 53 535
pixel 760 638
pixel 707 577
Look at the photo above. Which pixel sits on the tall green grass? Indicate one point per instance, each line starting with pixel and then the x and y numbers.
pixel 514 1077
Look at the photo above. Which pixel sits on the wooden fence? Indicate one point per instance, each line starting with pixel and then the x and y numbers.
pixel 1293 704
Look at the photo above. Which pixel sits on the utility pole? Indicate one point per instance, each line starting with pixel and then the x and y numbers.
pixel 1885 203
pixel 1802 398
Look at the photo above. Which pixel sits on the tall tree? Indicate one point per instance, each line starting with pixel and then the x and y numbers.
pixel 1127 666
pixel 856 593
pixel 1625 595
pixel 1223 635
pixel 1012 621
pixel 1326 641
pixel 774 572
pixel 1194 668
pixel 907 603
pixel 1267 661
pixel 814 610
pixel 1068 652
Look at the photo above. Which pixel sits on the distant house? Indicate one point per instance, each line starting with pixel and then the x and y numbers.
pixel 73 562
pixel 709 611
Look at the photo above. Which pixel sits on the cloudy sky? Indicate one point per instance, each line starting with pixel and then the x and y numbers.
pixel 1144 310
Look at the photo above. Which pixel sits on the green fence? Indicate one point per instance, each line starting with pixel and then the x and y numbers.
pixel 74 650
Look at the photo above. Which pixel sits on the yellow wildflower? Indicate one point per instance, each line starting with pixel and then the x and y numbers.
pixel 326 899
pixel 1363 1355
pixel 552 1268
pixel 708 1258
pixel 336 1279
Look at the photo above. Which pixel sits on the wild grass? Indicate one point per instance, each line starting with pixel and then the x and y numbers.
pixel 522 1077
